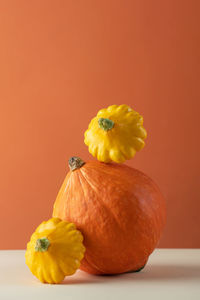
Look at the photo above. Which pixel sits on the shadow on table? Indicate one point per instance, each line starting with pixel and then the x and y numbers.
pixel 167 272
pixel 149 273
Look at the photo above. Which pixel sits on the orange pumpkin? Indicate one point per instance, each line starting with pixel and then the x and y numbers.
pixel 119 210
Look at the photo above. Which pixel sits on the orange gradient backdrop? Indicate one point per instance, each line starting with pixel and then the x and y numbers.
pixel 60 62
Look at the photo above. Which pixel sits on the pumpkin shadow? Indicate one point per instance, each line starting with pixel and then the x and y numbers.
pixel 165 272
pixel 149 273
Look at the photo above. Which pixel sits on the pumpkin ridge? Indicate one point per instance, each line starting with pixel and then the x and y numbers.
pixel 60 200
pixel 102 203
pixel 68 182
pixel 81 184
pixel 79 178
pixel 67 191
pixel 92 186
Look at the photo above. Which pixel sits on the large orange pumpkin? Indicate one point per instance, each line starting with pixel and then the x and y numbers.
pixel 119 210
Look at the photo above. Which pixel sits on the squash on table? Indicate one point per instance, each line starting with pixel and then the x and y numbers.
pixel 115 134
pixel 119 210
pixel 55 250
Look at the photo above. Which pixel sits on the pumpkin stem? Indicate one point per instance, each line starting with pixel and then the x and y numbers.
pixel 42 244
pixel 106 124
pixel 75 163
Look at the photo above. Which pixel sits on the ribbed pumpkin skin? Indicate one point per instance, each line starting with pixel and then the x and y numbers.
pixel 120 212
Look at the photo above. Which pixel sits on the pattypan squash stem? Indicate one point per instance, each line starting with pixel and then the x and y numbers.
pixel 75 163
pixel 106 124
pixel 42 244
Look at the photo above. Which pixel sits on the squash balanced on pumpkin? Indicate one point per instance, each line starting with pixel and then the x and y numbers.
pixel 115 134
pixel 119 210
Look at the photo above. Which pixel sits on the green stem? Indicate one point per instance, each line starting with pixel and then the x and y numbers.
pixel 42 244
pixel 106 124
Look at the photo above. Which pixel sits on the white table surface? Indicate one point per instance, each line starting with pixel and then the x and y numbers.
pixel 169 274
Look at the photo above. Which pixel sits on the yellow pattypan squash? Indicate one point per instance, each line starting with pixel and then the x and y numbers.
pixel 55 250
pixel 115 134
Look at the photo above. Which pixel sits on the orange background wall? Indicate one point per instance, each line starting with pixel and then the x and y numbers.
pixel 60 62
